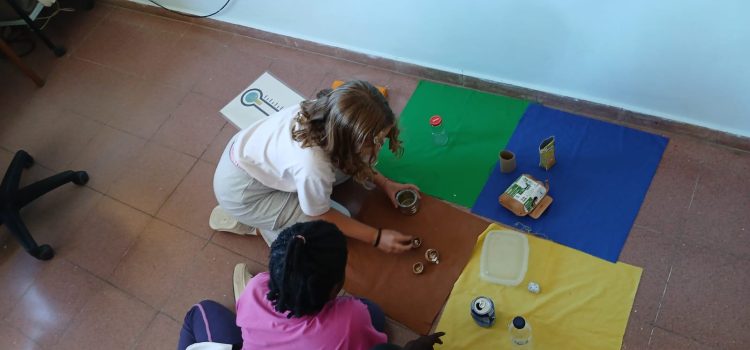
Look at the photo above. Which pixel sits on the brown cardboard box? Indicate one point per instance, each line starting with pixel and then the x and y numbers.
pixel 526 196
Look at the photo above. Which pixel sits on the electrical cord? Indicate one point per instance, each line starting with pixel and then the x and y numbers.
pixel 57 10
pixel 187 14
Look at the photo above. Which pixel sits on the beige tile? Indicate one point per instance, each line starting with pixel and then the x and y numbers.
pixel 151 177
pixel 107 156
pixel 718 215
pixel 144 109
pixel 251 247
pixel 192 126
pixel 300 77
pixel 204 42
pixel 102 240
pixel 16 124
pixel 18 270
pixel 324 63
pixel 232 72
pixel 637 333
pixel 704 299
pixel 662 339
pixel 189 207
pixel 162 333
pixel 52 217
pixel 16 88
pixel 194 56
pixel 673 183
pixel 110 320
pixel 216 148
pixel 87 88
pixel 152 266
pixel 129 46
pixel 12 338
pixel 180 72
pixel 258 47
pixel 54 137
pixel 654 252
pixel 209 276
pixel 148 21
pixel 48 306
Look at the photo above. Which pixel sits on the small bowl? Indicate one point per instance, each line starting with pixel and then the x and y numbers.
pixel 417 268
pixel 416 242
pixel 432 256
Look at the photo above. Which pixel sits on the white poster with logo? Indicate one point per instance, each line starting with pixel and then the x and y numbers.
pixel 265 96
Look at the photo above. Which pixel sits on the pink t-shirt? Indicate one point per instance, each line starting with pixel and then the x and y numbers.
pixel 344 323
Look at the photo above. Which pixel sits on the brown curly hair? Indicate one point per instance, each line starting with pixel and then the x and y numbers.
pixel 346 122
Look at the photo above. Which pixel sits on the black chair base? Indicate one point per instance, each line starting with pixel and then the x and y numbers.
pixel 13 198
pixel 59 51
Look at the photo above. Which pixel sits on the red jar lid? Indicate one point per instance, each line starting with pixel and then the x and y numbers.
pixel 436 120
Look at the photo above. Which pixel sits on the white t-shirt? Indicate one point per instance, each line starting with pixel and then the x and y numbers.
pixel 267 152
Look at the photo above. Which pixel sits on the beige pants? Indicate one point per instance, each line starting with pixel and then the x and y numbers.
pixel 255 204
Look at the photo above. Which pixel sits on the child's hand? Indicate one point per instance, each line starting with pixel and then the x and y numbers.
pixel 392 187
pixel 425 342
pixel 392 241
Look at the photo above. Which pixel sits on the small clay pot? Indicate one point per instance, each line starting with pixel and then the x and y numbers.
pixel 416 242
pixel 432 256
pixel 417 268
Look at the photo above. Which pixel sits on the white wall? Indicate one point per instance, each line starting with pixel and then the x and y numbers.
pixel 686 60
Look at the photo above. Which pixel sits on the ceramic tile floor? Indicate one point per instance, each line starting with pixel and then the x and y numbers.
pixel 135 102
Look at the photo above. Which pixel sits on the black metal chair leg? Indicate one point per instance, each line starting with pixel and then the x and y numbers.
pixel 58 50
pixel 21 160
pixel 18 229
pixel 37 189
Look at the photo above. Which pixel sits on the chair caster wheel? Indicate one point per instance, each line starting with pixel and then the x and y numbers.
pixel 28 160
pixel 59 51
pixel 43 252
pixel 80 178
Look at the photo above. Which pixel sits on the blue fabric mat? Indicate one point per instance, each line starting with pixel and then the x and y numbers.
pixel 602 174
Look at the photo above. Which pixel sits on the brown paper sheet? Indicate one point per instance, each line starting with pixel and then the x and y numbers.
pixel 387 279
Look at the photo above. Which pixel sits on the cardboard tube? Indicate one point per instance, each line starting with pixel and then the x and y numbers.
pixel 507 161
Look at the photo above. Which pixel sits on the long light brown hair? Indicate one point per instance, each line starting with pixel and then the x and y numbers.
pixel 348 123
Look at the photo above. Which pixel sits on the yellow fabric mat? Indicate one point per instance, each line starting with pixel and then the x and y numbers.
pixel 584 302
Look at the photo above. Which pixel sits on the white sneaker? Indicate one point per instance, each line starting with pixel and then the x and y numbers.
pixel 222 221
pixel 240 278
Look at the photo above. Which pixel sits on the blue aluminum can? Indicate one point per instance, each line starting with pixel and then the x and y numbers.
pixel 483 311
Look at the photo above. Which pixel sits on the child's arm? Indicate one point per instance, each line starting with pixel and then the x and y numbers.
pixel 391 241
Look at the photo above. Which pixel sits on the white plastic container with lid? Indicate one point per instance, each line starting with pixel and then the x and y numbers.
pixel 505 257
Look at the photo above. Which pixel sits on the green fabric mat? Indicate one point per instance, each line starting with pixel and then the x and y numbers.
pixel 478 125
